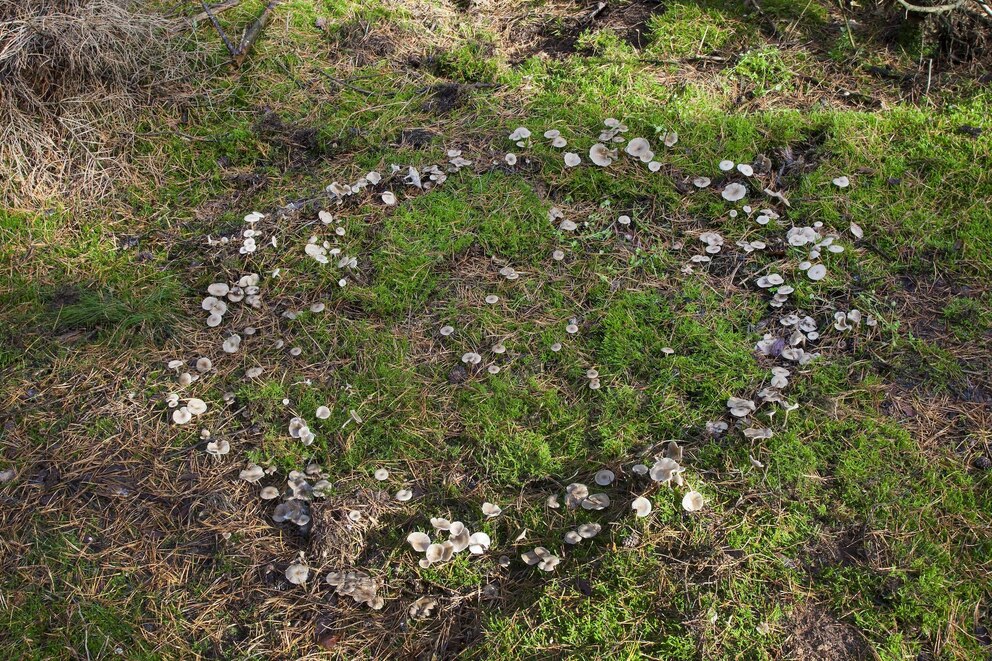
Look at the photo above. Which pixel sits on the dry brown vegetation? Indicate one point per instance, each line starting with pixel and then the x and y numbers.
pixel 73 75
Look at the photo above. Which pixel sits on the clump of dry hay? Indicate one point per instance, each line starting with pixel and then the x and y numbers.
pixel 73 74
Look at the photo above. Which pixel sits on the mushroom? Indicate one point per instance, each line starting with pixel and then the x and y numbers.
pixel 726 165
pixel 671 139
pixel 510 158
pixel 297 573
pixel 701 182
pixel 605 477
pixel 491 510
pixel 446 331
pixel 639 148
pixel 269 493
pixel 218 289
pixel 692 501
pixel 739 407
pixel 253 473
pixel 422 608
pixel 588 530
pixel 745 169
pixel 204 365
pixel 602 155
pixel 816 272
pixel 492 299
pixel 478 543
pixel 520 133
pixel 232 343
pixel 404 495
pixel 181 416
pixel 196 406
pixel 419 541
pixel 389 198
pixel 381 474
pixel 572 159
pixel 218 448
pixel 597 501
pixel 842 182
pixel 572 537
pixel 734 192
pixel 641 506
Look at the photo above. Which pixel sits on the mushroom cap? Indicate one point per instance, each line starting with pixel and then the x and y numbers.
pixel 842 182
pixel 692 501
pixel 404 495
pixel 601 155
pixel 726 165
pixel 381 474
pixel 701 182
pixel 641 506
pixel 269 493
pixel 419 541
pixel 434 552
pixel 440 524
pixel 588 530
pixel 297 573
pixel 572 159
pixel 596 501
pixel 322 412
pixel 733 192
pixel 491 509
pixel 181 416
pixel 196 406
pixel 637 147
pixel 605 477
pixel 218 289
pixel 572 537
pixel 817 272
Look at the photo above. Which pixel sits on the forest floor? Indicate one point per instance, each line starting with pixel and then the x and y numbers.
pixel 856 525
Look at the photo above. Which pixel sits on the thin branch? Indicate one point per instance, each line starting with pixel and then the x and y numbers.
pixel 216 9
pixel 223 35
pixel 936 9
pixel 253 33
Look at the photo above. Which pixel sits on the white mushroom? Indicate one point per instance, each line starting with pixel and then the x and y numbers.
pixel 692 501
pixel 572 159
pixel 381 474
pixel 842 182
pixel 181 416
pixel 297 573
pixel 322 413
pixel 602 155
pixel 734 192
pixel 419 541
pixel 641 506
pixel 491 510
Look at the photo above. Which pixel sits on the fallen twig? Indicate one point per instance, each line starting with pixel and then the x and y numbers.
pixel 223 35
pixel 216 9
pixel 936 9
pixel 253 32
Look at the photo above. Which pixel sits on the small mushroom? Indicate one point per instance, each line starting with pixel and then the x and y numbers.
pixel 602 155
pixel 734 192
pixel 297 573
pixel 641 506
pixel 589 530
pixel 572 159
pixel 491 510
pixel 269 493
pixel 381 474
pixel 404 495
pixel 322 413
pixel 419 541
pixel 605 477
pixel 692 501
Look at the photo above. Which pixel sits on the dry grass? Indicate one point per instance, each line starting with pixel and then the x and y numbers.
pixel 73 76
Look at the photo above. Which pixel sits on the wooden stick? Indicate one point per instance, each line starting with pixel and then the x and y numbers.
pixel 220 30
pixel 252 33
pixel 216 9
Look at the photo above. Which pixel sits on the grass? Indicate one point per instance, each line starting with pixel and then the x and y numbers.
pixel 864 535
